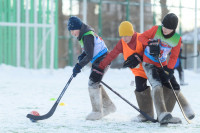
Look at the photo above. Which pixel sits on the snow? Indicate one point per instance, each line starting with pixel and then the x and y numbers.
pixel 24 90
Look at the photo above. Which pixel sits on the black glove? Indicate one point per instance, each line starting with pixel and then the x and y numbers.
pixel 154 47
pixel 76 70
pixel 133 60
pixel 97 74
pixel 167 74
pixel 81 56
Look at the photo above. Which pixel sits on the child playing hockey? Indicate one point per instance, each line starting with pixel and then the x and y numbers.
pixel 94 50
pixel 132 51
pixel 178 67
pixel 159 41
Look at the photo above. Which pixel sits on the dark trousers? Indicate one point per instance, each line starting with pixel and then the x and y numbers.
pixel 180 72
pixel 141 83
pixel 95 64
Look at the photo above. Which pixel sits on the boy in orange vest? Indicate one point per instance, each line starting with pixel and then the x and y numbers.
pixel 132 49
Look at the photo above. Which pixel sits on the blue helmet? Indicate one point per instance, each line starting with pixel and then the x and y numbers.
pixel 74 23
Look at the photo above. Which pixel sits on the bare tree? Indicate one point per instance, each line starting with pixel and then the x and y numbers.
pixel 164 9
pixel 62 42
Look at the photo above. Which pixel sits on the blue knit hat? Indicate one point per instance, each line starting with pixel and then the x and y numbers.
pixel 74 23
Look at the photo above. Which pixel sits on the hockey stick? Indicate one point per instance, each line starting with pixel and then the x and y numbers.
pixel 175 95
pixel 51 112
pixel 140 111
pixel 192 56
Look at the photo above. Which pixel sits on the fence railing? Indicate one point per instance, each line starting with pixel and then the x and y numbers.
pixel 28 33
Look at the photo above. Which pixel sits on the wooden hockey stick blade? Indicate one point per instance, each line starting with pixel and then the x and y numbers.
pixel 51 112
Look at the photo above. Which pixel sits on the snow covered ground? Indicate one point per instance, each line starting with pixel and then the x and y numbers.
pixel 23 90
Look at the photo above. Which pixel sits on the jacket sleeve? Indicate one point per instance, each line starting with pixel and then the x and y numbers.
pixel 111 56
pixel 149 34
pixel 88 42
pixel 174 55
pixel 139 48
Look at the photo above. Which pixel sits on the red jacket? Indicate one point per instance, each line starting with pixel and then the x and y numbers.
pixel 149 34
pixel 127 49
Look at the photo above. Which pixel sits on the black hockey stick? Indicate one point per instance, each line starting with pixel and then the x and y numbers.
pixel 50 113
pixel 175 95
pixel 192 56
pixel 140 111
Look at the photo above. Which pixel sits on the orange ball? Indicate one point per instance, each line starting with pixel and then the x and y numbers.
pixel 35 113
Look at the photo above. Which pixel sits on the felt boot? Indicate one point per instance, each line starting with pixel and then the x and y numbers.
pixel 96 101
pixel 145 104
pixel 170 102
pixel 158 98
pixel 108 105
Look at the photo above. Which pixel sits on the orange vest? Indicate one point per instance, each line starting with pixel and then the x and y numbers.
pixel 127 51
